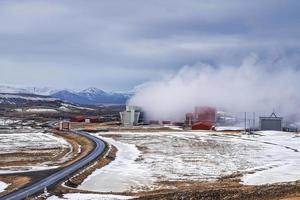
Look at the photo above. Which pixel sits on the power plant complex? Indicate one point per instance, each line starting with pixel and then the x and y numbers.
pixel 202 118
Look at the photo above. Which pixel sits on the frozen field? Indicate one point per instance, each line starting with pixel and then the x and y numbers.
pixel 145 159
pixel 28 149
pixel 26 141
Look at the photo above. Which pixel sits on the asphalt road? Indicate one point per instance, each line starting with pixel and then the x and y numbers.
pixel 39 186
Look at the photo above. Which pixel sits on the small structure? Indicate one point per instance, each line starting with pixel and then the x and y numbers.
pixel 204 118
pixel 205 125
pixel 64 125
pixel 271 123
pixel 154 122
pixel 166 122
pixel 131 116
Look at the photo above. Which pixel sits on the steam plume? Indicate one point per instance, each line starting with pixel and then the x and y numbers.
pixel 254 86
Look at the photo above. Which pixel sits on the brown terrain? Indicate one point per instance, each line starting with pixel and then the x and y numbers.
pixel 224 188
pixel 22 159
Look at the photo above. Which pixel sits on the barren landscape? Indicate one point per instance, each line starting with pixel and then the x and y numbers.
pixel 153 158
pixel 170 165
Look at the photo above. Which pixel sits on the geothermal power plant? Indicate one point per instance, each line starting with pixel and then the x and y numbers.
pixel 206 118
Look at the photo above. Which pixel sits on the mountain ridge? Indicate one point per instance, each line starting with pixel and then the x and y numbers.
pixel 88 96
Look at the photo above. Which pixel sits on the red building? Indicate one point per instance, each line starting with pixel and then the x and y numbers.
pixel 91 119
pixel 202 126
pixel 204 118
pixel 77 119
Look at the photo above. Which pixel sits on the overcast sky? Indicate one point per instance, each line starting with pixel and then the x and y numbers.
pixel 116 45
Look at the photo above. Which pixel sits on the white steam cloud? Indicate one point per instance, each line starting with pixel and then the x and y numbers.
pixel 255 86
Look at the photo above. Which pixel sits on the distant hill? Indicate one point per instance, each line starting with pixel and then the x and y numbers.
pixel 90 96
pixel 32 104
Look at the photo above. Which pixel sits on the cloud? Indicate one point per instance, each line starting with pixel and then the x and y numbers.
pixel 257 85
pixel 143 39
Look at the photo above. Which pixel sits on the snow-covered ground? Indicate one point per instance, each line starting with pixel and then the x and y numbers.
pixel 3 186
pixel 5 121
pixel 229 128
pixel 28 141
pixel 17 142
pixel 41 110
pixel 265 157
pixel 284 149
pixel 121 174
pixel 15 96
pixel 76 107
pixel 81 196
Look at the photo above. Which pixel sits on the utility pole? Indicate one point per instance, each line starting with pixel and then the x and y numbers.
pixel 245 118
pixel 253 120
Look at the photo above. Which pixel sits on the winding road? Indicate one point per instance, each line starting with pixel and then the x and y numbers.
pixel 51 180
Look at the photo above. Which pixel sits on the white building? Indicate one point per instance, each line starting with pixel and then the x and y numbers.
pixel 131 116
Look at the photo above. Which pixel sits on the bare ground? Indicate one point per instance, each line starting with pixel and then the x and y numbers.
pixel 226 190
pixel 14 182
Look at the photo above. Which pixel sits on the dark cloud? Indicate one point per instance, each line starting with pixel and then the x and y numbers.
pixel 117 44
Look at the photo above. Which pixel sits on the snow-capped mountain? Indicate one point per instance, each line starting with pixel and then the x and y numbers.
pixel 92 96
pixel 89 96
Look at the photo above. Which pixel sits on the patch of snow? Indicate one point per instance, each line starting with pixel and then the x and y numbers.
pixel 14 96
pixel 76 107
pixel 6 121
pixel 3 186
pixel 229 128
pixel 82 196
pixel 41 110
pixel 64 108
pixel 21 169
pixel 284 148
pixel 79 149
pixel 15 142
pixel 177 128
pixel 123 173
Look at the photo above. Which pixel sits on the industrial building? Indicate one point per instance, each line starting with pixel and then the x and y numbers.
pixel 271 123
pixel 90 119
pixel 131 116
pixel 203 118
